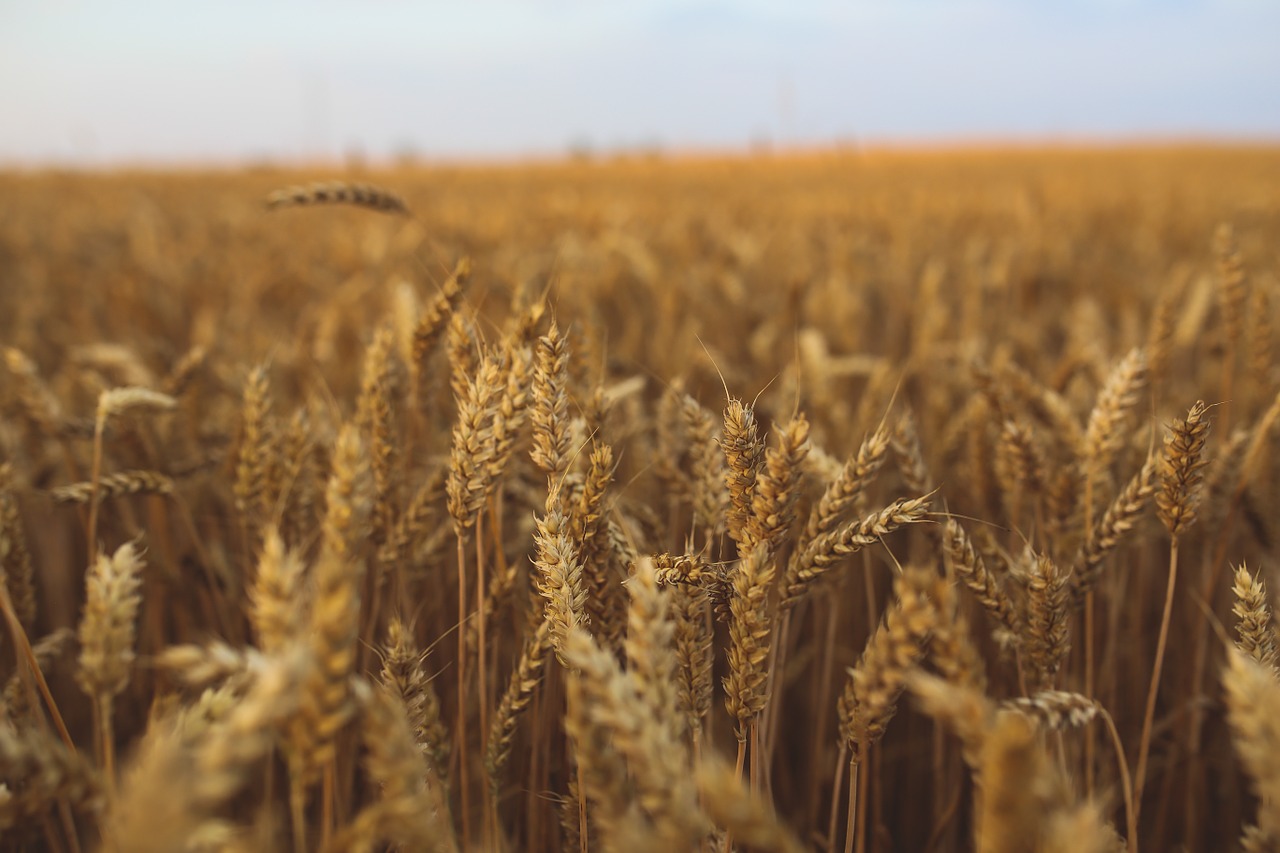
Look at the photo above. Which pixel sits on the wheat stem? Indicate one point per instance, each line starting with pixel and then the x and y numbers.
pixel 1144 743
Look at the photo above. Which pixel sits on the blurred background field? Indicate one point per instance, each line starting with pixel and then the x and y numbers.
pixel 970 287
pixel 882 395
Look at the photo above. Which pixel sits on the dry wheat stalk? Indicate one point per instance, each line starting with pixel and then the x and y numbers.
pixel 470 476
pixel 950 646
pixel 190 766
pixel 37 771
pixel 616 554
pixel 1260 330
pixel 807 566
pixel 111 403
pixel 1056 710
pixel 403 674
pixel 613 701
pixel 332 626
pixel 211 663
pixel 1253 709
pixel 1081 828
pixel 1018 787
pixel 338 192
pixel 1104 434
pixel 118 362
pixel 1181 479
pixel 152 814
pixel 749 819
pixel 905 442
pixel 1180 470
pixel 750 627
pixel 513 406
pixel 1063 508
pixel 184 371
pixel 1253 614
pixel 119 484
pixel 706 468
pixel 773 503
pixel 376 416
pixel 688 569
pixel 256 449
pixel 39 404
pixel 1046 404
pixel 411 811
pixel 296 479
pixel 870 695
pixel 550 415
pixel 695 653
pixel 672 442
pixel 14 704
pixel 17 571
pixel 650 653
pixel 587 526
pixel 595 683
pixel 844 492
pixel 416 521
pixel 744 455
pixel 237 742
pixel 524 681
pixel 277 604
pixel 1160 335
pixel 464 349
pixel 1120 518
pixel 1020 463
pixel 1048 619
pixel 559 578
pixel 434 320
pixel 965 562
pixel 117 401
pixel 107 630
pixel 1233 285
pixel 964 709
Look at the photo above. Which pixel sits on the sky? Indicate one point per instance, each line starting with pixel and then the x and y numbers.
pixel 183 82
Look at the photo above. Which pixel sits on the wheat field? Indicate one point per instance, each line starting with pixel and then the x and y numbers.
pixel 848 501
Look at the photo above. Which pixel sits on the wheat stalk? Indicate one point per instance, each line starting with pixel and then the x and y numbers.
pixel 338 192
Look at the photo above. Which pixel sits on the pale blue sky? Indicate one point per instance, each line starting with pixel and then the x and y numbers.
pixel 176 81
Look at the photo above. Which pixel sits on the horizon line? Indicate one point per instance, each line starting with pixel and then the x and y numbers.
pixel 655 151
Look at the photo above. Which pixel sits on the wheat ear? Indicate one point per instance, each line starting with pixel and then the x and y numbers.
pixel 1257 637
pixel 338 192
pixel 1253 710
pixel 107 630
pixel 1180 481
